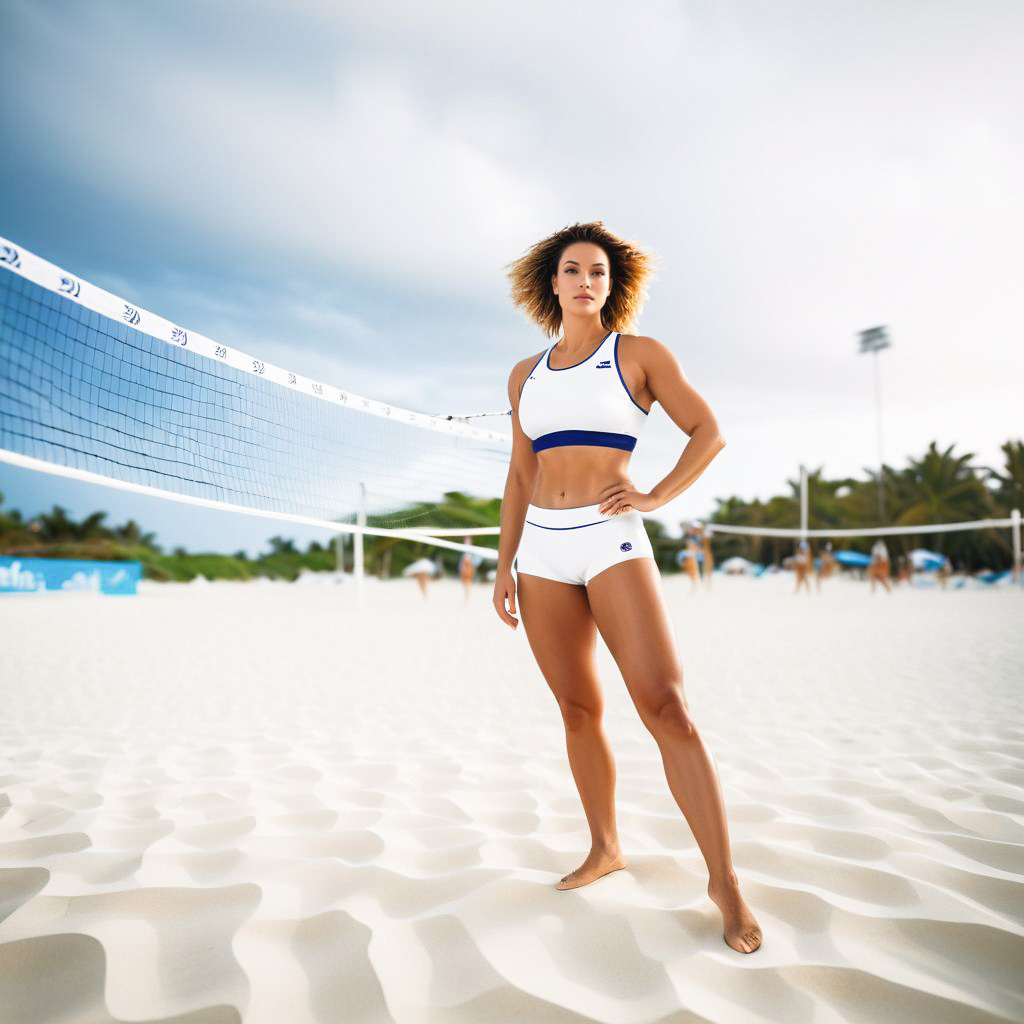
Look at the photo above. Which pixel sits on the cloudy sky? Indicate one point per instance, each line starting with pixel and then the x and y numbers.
pixel 335 187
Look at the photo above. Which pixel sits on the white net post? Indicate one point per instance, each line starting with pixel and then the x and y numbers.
pixel 1015 527
pixel 803 502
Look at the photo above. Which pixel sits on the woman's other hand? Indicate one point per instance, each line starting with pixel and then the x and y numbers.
pixel 505 587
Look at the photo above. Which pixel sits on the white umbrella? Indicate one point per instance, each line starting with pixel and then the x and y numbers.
pixel 924 559
pixel 420 565
pixel 736 564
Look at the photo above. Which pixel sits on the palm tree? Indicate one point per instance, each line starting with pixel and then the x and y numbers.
pixel 92 528
pixel 737 512
pixel 56 525
pixel 282 546
pixel 1010 491
pixel 943 488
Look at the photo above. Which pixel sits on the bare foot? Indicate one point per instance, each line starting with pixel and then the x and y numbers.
pixel 600 862
pixel 742 932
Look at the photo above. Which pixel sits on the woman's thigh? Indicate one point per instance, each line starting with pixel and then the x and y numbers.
pixel 628 605
pixel 563 637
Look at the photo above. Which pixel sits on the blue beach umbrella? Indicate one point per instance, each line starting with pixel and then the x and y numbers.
pixel 851 558
pixel 993 576
pixel 924 559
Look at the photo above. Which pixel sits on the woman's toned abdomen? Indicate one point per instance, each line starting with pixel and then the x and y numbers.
pixel 575 475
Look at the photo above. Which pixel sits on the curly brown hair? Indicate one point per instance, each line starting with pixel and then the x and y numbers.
pixel 632 268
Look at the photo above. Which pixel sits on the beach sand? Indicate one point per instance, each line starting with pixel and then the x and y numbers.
pixel 264 803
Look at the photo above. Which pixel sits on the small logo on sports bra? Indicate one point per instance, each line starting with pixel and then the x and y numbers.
pixel 625 546
pixel 605 364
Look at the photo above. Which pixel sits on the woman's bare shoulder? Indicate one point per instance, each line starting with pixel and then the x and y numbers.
pixel 517 378
pixel 636 344
pixel 648 353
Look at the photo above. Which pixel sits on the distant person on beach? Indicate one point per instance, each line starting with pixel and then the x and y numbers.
pixel 467 567
pixel 688 561
pixel 802 566
pixel 422 569
pixel 709 558
pixel 827 565
pixel 574 550
pixel 945 571
pixel 878 570
pixel 905 572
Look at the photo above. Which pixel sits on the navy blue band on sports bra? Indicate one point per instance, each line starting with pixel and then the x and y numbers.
pixel 595 438
pixel 586 403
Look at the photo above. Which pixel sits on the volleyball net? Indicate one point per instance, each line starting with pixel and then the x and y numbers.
pixel 97 388
pixel 899 534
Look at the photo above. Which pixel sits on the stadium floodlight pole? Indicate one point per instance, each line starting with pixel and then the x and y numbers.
pixel 874 339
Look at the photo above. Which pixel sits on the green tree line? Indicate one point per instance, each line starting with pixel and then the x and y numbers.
pixel 939 487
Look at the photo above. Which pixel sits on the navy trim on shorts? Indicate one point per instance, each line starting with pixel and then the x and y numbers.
pixel 580 527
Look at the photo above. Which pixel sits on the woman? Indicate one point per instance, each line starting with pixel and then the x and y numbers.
pixel 802 566
pixel 571 518
pixel 879 567
pixel 826 565
pixel 709 558
pixel 689 561
pixel 467 567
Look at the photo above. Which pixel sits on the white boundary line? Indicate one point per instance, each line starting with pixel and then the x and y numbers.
pixel 34 268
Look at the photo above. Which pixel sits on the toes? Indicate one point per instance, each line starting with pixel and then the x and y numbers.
pixel 747 942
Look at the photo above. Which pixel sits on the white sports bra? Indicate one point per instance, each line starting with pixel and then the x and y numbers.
pixel 587 403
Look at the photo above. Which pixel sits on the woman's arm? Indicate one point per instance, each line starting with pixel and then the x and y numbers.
pixel 667 382
pixel 522 472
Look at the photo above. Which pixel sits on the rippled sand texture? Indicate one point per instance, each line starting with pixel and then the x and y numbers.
pixel 261 803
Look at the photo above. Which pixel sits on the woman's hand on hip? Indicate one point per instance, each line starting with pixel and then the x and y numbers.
pixel 624 497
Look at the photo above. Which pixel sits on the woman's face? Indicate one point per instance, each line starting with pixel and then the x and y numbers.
pixel 583 270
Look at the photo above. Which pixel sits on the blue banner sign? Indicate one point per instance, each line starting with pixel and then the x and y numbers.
pixel 41 575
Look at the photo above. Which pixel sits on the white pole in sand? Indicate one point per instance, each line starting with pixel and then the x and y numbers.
pixel 803 502
pixel 357 543
pixel 1015 527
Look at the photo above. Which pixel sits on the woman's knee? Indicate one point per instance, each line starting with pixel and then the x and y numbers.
pixel 579 714
pixel 664 709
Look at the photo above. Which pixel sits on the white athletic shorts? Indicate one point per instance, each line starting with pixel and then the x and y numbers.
pixel 572 545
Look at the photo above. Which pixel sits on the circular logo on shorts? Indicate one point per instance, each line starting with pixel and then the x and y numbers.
pixel 625 546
